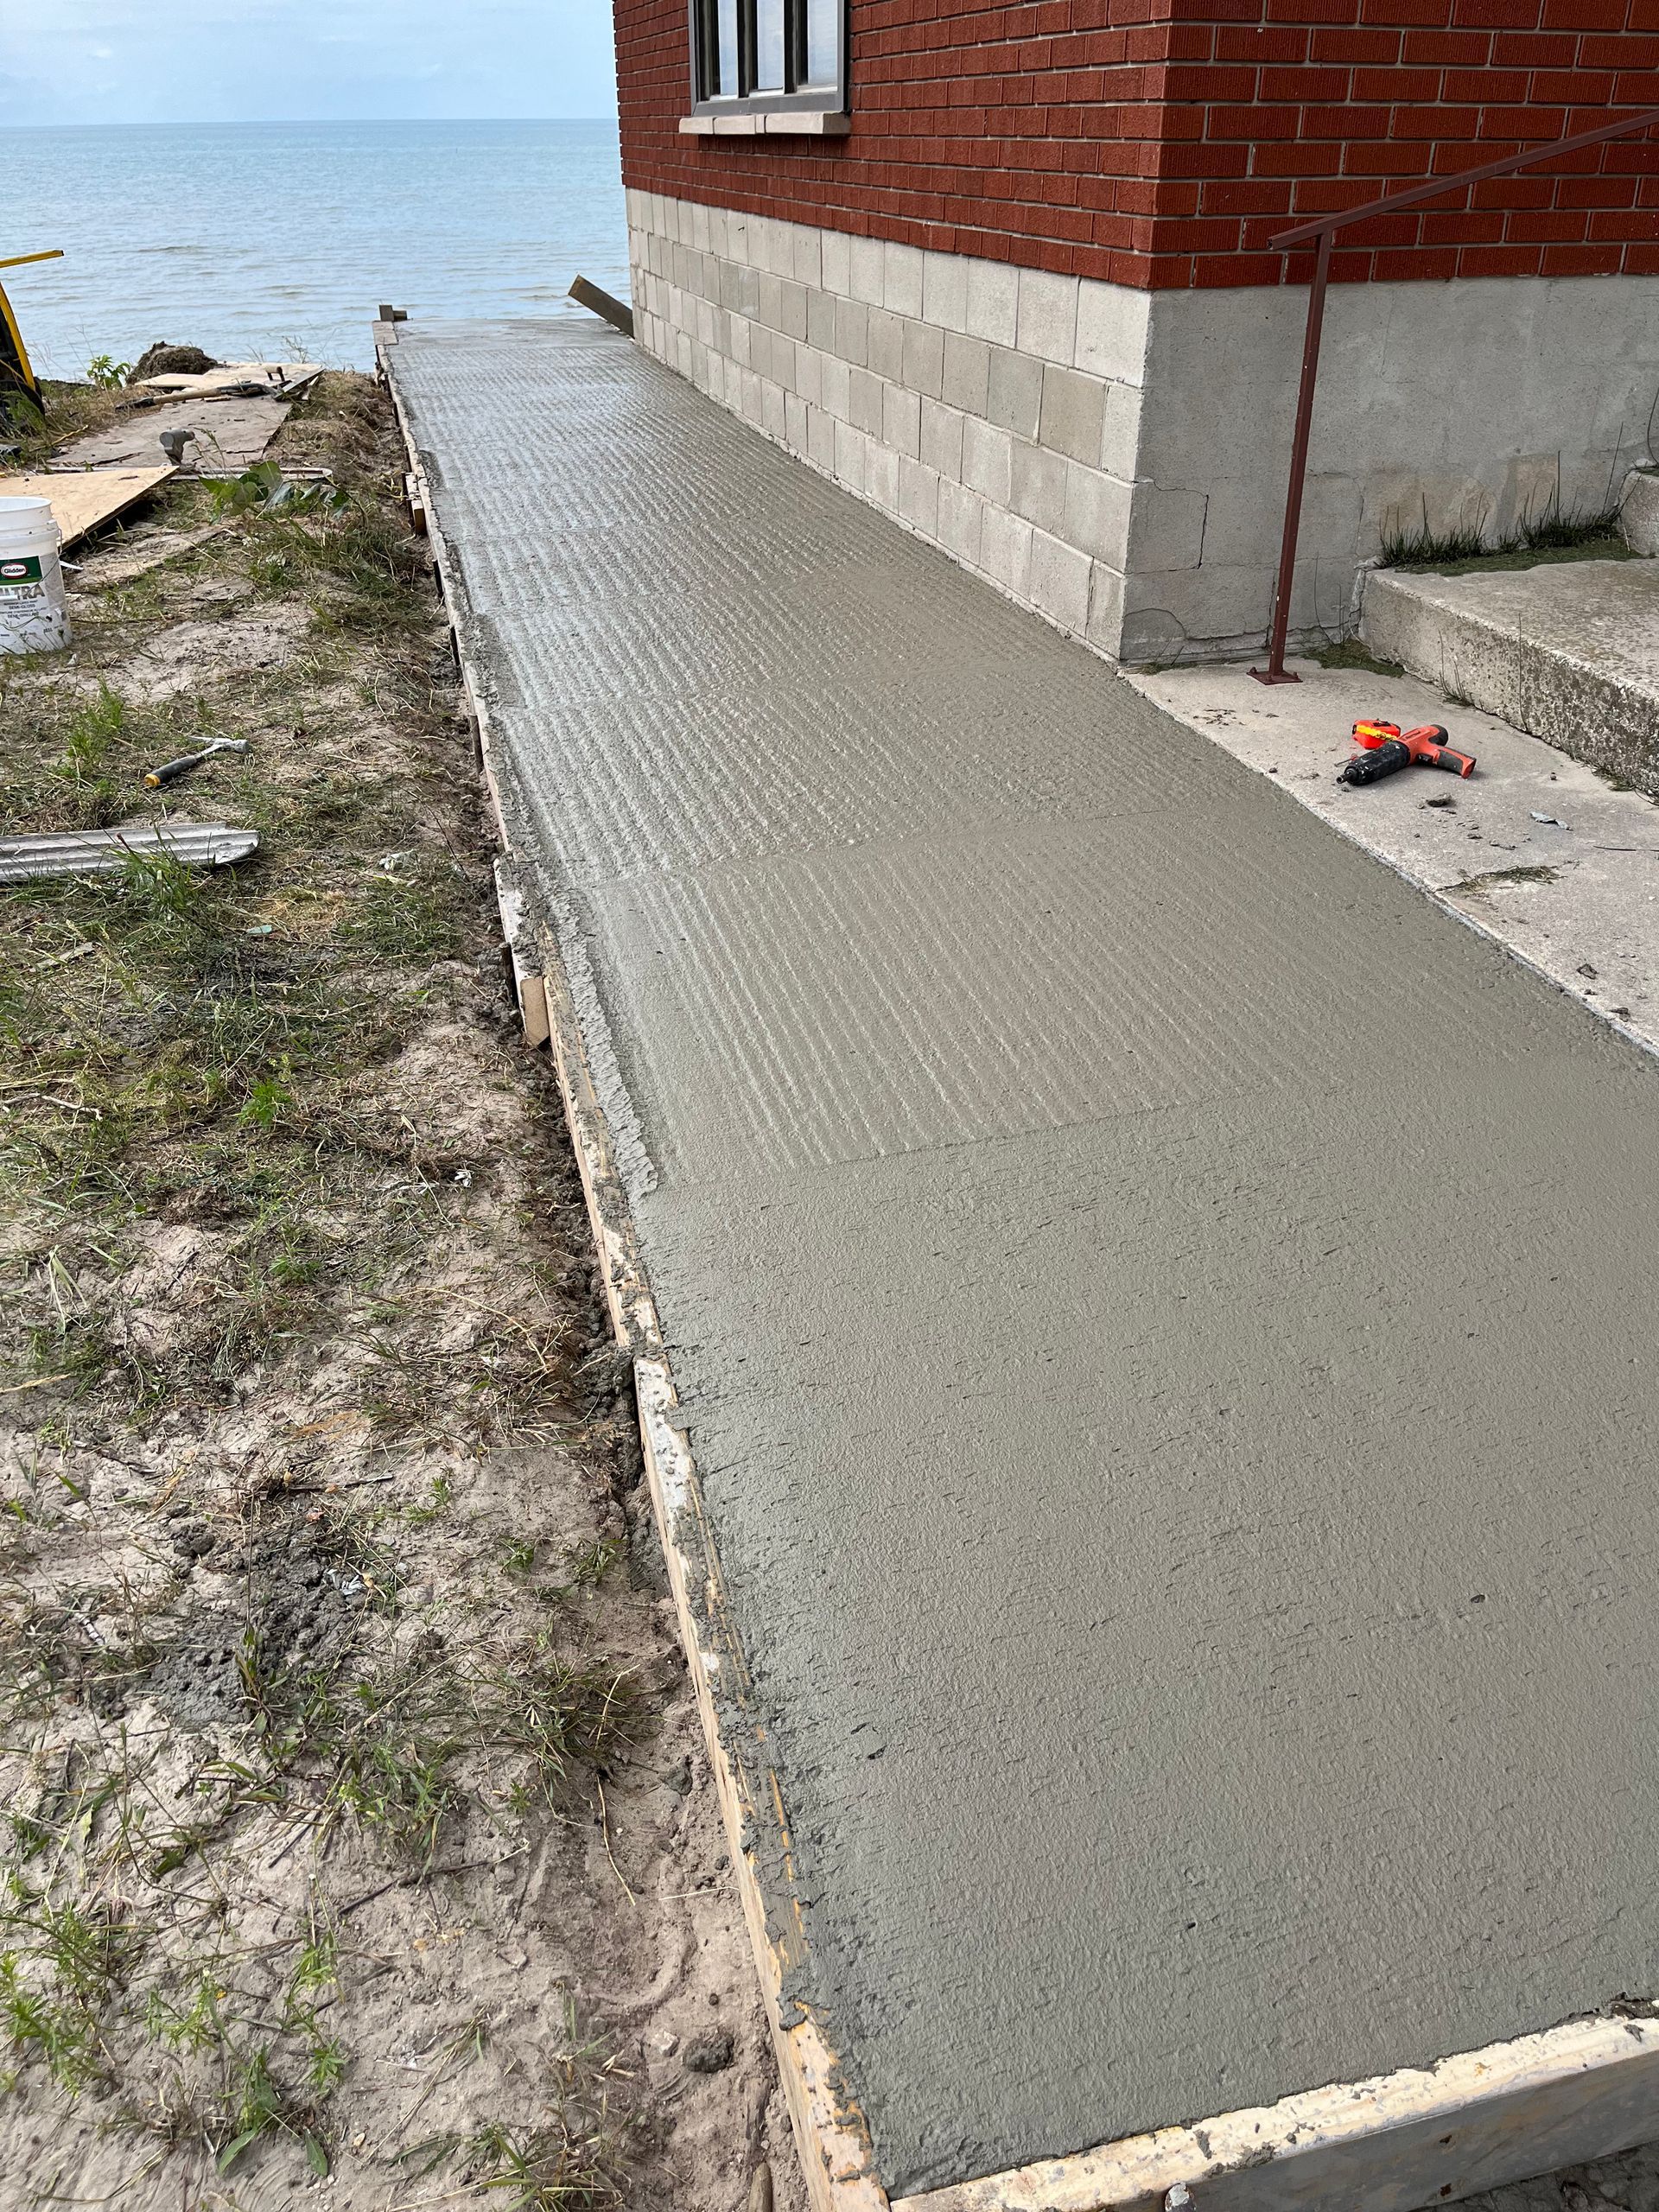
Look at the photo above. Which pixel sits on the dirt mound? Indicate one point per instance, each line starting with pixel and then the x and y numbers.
pixel 162 359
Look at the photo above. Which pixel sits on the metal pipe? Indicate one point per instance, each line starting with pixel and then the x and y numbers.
pixel 1275 672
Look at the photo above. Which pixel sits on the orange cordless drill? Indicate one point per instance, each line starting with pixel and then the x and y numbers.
pixel 1385 748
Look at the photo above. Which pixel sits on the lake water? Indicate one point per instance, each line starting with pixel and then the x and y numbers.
pixel 272 239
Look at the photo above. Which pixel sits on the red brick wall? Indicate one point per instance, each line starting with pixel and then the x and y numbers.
pixel 1160 142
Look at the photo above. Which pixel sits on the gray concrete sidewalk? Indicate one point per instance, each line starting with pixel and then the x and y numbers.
pixel 1165 1314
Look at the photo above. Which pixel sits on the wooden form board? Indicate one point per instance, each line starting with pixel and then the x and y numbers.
pixel 1419 2136
pixel 85 499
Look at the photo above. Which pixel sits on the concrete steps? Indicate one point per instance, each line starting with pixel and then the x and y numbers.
pixel 1568 650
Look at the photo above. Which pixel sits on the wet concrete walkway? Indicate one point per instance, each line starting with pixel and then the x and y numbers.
pixel 1165 1315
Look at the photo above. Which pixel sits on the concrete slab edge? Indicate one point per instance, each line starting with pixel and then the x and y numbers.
pixel 830 2135
pixel 1402 2140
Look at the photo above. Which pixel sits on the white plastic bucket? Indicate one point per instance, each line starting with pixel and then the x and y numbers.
pixel 33 617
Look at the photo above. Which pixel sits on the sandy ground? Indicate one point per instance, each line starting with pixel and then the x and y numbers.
pixel 358 1843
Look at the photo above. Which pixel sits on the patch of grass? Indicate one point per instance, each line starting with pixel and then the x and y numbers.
pixel 579 2161
pixel 412 917
pixel 1353 652
pixel 1550 534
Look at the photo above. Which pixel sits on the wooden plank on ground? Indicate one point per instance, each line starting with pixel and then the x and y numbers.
pixel 85 499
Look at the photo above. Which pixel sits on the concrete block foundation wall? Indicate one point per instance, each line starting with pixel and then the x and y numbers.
pixel 1116 458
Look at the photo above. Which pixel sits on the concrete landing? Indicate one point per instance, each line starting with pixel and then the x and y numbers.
pixel 1568 650
pixel 1163 1319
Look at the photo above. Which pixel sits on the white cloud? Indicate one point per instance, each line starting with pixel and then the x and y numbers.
pixel 254 61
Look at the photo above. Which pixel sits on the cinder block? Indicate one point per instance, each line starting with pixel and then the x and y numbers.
pixel 1014 400
pixel 919 494
pixel 1097 513
pixel 1060 578
pixel 1038 490
pixel 1048 316
pixel 809 256
pixel 941 429
pixel 792 299
pixel 742 331
pixel 901 286
pixel 1005 542
pixel 809 374
pixel 867 273
pixel 922 364
pixel 795 421
pixel 867 401
pixel 850 447
pixel 821 321
pixel 837 388
pixel 944 290
pixel 1073 413
pixel 772 396
pixel 987 460
pixel 967 372
pixel 886 354
pixel 1165 610
pixel 853 332
pixel 882 476
pixel 1105 628
pixel 901 425
pixel 960 515
pixel 835 249
pixel 821 438
pixel 1119 432
pixel 770 297
pixel 720 232
pixel 993 302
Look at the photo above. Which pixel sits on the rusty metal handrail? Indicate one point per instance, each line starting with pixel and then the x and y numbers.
pixel 1324 228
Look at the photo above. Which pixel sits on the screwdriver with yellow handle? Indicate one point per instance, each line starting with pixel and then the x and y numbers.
pixel 1385 748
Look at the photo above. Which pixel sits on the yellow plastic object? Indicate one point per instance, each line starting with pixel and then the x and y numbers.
pixel 16 373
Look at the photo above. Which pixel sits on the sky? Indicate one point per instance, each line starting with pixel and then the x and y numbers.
pixel 302 60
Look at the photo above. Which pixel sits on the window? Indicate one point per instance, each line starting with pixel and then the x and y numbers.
pixel 769 54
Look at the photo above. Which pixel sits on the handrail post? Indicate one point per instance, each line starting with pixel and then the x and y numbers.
pixel 1275 672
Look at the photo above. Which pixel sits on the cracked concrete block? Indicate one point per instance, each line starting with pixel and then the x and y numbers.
pixel 867 390
pixel 853 332
pixel 1073 412
pixel 961 513
pixel 1097 513
pixel 887 354
pixel 967 372
pixel 924 359
pixel 868 270
pixel 901 286
pixel 944 290
pixel 836 251
pixel 919 494
pixel 1048 316
pixel 987 460
pixel 1015 397
pixel 942 429
pixel 1060 577
pixel 1162 612
pixel 902 420
pixel 1165 528
pixel 1037 491
pixel 993 302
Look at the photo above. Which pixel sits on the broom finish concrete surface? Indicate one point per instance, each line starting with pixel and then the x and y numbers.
pixel 1163 1314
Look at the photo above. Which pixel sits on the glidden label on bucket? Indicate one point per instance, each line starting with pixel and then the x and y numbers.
pixel 21 571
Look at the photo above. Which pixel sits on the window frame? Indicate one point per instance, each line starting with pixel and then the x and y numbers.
pixel 794 98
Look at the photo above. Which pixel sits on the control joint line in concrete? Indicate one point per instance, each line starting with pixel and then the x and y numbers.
pixel 1145 1348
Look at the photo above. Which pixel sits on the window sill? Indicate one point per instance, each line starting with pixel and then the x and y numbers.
pixel 755 123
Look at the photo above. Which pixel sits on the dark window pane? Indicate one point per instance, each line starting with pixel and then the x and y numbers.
pixel 725 71
pixel 823 42
pixel 769 46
